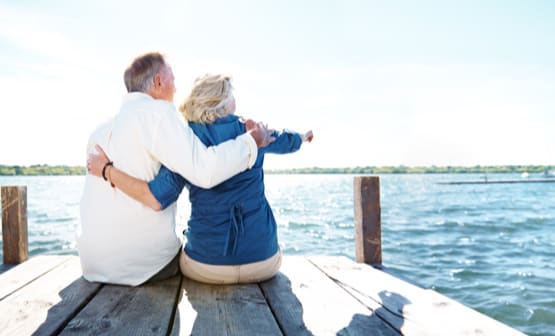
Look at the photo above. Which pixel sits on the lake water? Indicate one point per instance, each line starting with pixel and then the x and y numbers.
pixel 490 247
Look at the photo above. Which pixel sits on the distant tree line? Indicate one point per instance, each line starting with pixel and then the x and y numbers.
pixel 41 170
pixel 418 170
pixel 80 170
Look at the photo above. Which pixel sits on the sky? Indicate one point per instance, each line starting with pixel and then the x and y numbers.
pixel 412 83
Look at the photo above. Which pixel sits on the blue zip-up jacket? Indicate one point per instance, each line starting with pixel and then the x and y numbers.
pixel 231 223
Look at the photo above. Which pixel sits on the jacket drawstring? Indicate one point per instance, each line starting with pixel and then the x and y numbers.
pixel 236 228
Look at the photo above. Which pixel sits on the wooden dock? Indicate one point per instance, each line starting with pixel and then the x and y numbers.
pixel 47 295
pixel 310 296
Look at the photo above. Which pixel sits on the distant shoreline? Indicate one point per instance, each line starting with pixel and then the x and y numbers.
pixel 61 170
pixel 41 170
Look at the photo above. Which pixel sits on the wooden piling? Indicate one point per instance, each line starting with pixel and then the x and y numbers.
pixel 368 230
pixel 14 224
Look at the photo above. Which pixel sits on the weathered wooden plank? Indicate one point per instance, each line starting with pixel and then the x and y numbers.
pixel 223 310
pixel 392 312
pixel 306 302
pixel 45 305
pixel 368 229
pixel 408 308
pixel 122 310
pixel 14 224
pixel 22 274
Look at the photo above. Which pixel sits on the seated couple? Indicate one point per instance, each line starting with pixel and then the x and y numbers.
pixel 127 233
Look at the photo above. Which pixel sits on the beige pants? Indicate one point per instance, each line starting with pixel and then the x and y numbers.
pixel 230 274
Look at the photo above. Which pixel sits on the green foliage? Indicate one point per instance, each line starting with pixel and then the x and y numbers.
pixel 79 170
pixel 41 170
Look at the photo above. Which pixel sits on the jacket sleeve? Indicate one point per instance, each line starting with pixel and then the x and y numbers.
pixel 175 145
pixel 286 142
pixel 166 186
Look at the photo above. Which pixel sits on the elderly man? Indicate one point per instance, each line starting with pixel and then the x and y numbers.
pixel 121 241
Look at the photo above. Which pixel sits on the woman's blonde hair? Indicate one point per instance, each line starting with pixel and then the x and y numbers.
pixel 208 99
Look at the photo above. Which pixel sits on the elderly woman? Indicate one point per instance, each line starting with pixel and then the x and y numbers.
pixel 232 234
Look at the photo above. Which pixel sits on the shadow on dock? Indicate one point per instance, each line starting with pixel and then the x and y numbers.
pixel 84 308
pixel 392 303
pixel 180 306
pixel 390 311
pixel 275 307
pixel 74 298
pixel 285 305
pixel 4 268
pixel 270 308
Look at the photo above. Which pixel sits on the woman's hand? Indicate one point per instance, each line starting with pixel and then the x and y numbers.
pixel 95 162
pixel 308 136
pixel 261 134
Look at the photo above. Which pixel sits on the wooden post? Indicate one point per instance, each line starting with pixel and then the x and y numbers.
pixel 14 224
pixel 368 228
